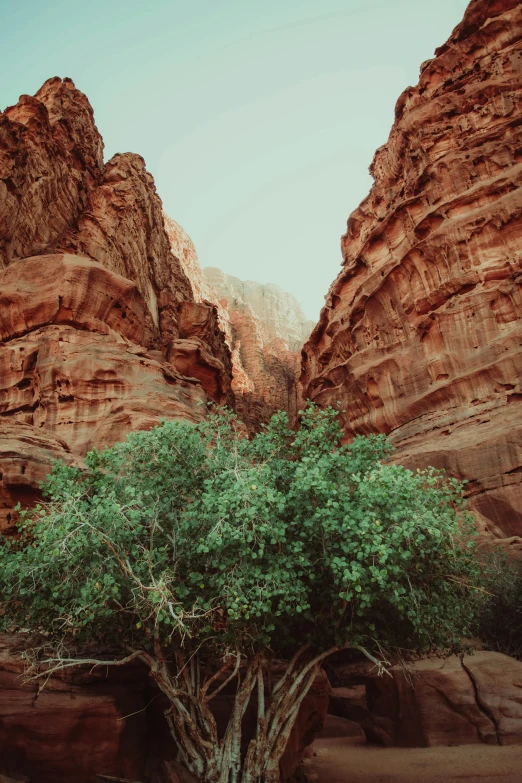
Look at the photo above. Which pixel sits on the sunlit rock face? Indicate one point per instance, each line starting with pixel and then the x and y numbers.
pixel 100 332
pixel 421 334
pixel 265 328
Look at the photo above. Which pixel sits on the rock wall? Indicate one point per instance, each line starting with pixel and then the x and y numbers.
pixel 421 333
pixel 266 328
pixel 90 722
pixel 51 156
pixel 100 332
pixel 457 701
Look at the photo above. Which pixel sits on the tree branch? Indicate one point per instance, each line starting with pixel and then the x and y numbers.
pixel 67 663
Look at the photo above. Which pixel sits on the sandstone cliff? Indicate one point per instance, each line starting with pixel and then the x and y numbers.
pixel 100 332
pixel 421 333
pixel 266 328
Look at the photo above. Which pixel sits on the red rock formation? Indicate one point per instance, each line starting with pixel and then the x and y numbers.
pixel 91 298
pixel 26 457
pixel 77 368
pixel 122 228
pixel 51 155
pixel 203 325
pixel 450 701
pixel 421 333
pixel 75 727
pixel 279 313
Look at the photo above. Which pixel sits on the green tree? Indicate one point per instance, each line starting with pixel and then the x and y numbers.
pixel 212 557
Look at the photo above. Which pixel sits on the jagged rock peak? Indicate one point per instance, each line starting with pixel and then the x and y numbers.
pixel 279 312
pixel 52 156
pixel 100 333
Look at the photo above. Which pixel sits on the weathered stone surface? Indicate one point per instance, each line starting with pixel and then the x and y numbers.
pixel 26 457
pixel 476 699
pixel 90 389
pixel 421 333
pixel 67 289
pixel 310 722
pixel 90 345
pixel 202 351
pixel 280 313
pixel 51 161
pixel 51 155
pixel 265 371
pixel 184 251
pixel 122 228
pixel 73 374
pixel 75 727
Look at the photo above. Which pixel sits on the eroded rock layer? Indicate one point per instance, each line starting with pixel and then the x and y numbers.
pixel 100 332
pixel 421 334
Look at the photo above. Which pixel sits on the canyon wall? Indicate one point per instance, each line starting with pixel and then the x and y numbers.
pixel 266 329
pixel 100 332
pixel 421 334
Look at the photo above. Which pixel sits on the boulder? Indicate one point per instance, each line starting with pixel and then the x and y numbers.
pixel 454 701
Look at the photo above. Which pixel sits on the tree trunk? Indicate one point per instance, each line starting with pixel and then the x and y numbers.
pixel 193 727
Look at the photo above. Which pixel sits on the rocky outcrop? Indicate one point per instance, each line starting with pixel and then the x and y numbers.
pixel 78 369
pixel 51 156
pixel 90 722
pixel 73 729
pixel 122 228
pixel 421 334
pixel 100 333
pixel 456 701
pixel 266 328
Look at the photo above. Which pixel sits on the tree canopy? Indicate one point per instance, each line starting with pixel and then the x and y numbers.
pixel 197 534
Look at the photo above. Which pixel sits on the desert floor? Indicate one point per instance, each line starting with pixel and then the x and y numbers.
pixel 350 760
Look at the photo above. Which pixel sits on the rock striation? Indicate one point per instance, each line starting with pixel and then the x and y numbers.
pixel 421 333
pixel 100 332
pixel 266 328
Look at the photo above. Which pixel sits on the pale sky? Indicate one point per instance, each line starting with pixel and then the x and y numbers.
pixel 257 118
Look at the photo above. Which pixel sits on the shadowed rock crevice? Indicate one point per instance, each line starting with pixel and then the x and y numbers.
pixel 483 707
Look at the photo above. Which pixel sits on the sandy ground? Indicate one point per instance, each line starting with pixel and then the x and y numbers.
pixel 350 760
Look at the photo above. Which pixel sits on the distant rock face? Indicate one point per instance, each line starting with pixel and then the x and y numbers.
pixel 266 328
pixel 421 333
pixel 100 332
pixel 279 312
